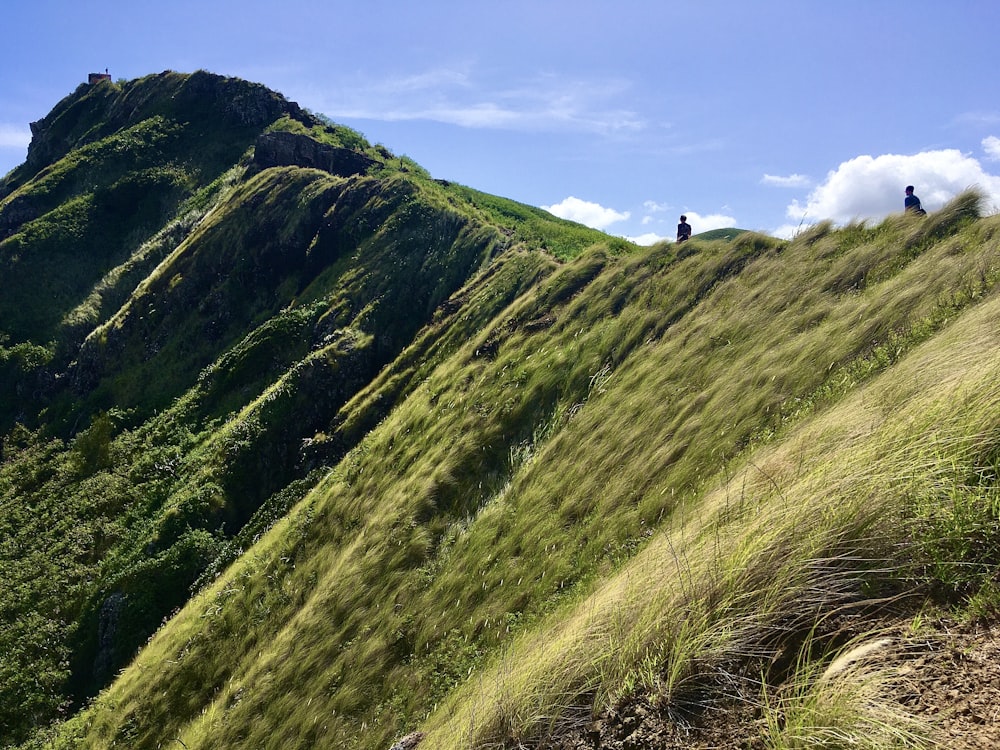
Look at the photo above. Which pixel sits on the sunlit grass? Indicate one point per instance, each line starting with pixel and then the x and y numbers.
pixel 643 469
pixel 813 519
pixel 847 704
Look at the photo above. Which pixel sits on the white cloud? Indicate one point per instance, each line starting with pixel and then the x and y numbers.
pixel 787 231
pixel 436 78
pixel 587 213
pixel 708 222
pixel 868 187
pixel 461 97
pixel 13 136
pixel 647 239
pixel 791 181
pixel 653 208
pixel 991 145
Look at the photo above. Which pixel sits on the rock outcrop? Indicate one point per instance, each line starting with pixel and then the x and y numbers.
pixel 408 742
pixel 282 149
pixel 15 214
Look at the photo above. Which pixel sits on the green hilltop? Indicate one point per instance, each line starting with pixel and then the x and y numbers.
pixel 728 233
pixel 304 448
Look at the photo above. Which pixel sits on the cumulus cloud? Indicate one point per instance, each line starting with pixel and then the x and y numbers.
pixel 584 212
pixel 647 239
pixel 13 136
pixel 791 181
pixel 871 187
pixel 652 207
pixel 708 222
pixel 991 145
pixel 787 231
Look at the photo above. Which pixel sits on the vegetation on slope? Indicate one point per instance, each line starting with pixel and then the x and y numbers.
pixel 430 459
pixel 604 412
pixel 110 168
pixel 192 395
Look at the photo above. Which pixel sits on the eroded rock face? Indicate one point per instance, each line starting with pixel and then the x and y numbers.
pixel 110 615
pixel 283 149
pixel 16 213
pixel 201 99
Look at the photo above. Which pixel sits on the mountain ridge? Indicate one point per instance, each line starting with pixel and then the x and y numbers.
pixel 320 459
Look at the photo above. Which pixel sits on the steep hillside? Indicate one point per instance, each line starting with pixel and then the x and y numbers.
pixel 172 377
pixel 331 453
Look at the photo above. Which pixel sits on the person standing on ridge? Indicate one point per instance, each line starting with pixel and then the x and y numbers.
pixel 683 230
pixel 912 202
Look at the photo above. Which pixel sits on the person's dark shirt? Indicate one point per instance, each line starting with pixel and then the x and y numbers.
pixel 912 203
pixel 683 231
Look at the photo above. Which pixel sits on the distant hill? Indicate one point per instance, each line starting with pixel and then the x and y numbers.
pixel 730 233
pixel 302 447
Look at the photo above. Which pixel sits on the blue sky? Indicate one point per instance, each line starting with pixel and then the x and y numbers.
pixel 765 115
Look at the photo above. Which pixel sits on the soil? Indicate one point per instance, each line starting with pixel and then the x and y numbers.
pixel 946 675
pixel 951 679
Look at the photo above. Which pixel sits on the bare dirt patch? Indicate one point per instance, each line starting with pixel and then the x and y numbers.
pixel 950 677
pixel 946 675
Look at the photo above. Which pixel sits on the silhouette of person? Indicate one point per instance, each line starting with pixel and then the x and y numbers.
pixel 912 202
pixel 683 230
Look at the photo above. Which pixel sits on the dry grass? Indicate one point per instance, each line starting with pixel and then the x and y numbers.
pixel 622 491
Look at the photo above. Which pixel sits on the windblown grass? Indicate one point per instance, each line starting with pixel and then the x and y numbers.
pixel 845 705
pixel 645 469
pixel 822 522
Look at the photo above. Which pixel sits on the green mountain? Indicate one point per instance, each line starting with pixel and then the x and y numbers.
pixel 728 233
pixel 303 448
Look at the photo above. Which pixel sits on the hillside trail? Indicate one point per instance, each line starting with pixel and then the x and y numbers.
pixel 946 675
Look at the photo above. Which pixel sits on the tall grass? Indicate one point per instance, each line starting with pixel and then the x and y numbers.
pixel 644 470
pixel 847 704
pixel 825 520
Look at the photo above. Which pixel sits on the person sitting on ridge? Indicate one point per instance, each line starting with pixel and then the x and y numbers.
pixel 683 230
pixel 912 202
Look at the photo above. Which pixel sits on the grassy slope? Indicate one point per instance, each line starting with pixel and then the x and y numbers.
pixel 111 163
pixel 208 369
pixel 138 512
pixel 729 233
pixel 83 220
pixel 470 567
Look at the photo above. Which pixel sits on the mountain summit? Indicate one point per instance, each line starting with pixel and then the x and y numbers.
pixel 305 448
